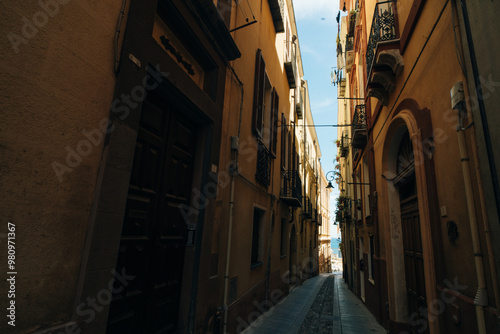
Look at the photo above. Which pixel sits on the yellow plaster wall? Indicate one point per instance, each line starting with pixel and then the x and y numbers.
pixel 58 84
pixel 429 84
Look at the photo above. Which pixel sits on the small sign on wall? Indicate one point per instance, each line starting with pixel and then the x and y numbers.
pixel 191 235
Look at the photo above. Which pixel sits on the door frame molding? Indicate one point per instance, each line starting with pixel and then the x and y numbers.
pixel 409 116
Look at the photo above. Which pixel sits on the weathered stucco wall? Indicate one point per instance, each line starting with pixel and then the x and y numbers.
pixel 56 88
pixel 429 85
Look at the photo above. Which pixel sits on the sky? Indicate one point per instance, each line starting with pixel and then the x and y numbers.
pixel 317 32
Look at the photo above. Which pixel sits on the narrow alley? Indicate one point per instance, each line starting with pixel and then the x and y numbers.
pixel 322 304
pixel 250 166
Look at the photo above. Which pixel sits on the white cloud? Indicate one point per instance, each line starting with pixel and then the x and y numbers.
pixel 304 48
pixel 322 105
pixel 313 9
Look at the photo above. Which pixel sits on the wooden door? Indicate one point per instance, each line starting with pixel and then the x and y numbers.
pixel 413 257
pixel 154 231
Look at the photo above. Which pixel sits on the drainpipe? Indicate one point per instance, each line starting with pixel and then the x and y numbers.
pixel 481 299
pixel 228 254
pixel 484 211
pixel 233 173
pixel 482 108
pixel 304 223
pixel 116 46
pixel 486 223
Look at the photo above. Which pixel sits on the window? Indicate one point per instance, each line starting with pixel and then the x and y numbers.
pixel 265 107
pixel 258 222
pixel 366 187
pixel 274 122
pixel 284 144
pixel 258 95
pixel 283 237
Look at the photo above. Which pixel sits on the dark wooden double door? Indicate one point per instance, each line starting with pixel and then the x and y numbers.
pixel 154 231
pixel 413 257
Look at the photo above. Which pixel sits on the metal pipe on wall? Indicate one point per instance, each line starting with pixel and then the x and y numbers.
pixel 482 197
pixel 481 299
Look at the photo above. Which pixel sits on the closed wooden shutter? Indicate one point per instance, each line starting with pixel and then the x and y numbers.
pixel 274 123
pixel 284 137
pixel 258 103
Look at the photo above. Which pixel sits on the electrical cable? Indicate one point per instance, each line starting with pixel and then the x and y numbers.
pixel 117 38
pixel 243 11
pixel 458 50
pixel 251 11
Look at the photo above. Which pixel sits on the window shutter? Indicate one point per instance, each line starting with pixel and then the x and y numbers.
pixel 274 122
pixel 284 137
pixel 258 95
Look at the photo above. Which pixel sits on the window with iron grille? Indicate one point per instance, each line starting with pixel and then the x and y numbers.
pixel 263 173
pixel 265 120
pixel 257 228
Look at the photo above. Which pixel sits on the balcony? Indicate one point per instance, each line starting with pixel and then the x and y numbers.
pixel 359 127
pixel 307 209
pixel 349 52
pixel 315 216
pixel 277 9
pixel 344 145
pixel 299 105
pixel 291 188
pixel 291 67
pixel 263 174
pixel 353 18
pixel 383 59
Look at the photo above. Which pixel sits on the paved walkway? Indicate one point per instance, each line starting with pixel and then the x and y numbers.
pixel 354 316
pixel 322 304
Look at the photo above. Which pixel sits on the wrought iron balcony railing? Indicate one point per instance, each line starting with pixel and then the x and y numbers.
pixel 383 29
pixel 359 119
pixel 359 127
pixel 291 188
pixel 299 105
pixel 349 43
pixel 291 66
pixel 344 145
pixel 263 174
pixel 349 52
pixel 307 209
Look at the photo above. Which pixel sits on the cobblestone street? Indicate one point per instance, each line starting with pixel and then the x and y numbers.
pixel 323 304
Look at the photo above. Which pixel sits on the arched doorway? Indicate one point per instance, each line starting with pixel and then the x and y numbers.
pixel 410 204
pixel 405 183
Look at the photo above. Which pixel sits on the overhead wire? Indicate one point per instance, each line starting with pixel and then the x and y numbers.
pixel 251 11
pixel 243 11
pixel 458 52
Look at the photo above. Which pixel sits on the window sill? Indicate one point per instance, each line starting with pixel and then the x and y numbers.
pixel 283 256
pixel 255 265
